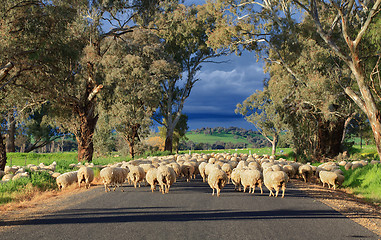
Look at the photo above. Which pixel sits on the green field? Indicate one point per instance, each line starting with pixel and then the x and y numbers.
pixel 214 137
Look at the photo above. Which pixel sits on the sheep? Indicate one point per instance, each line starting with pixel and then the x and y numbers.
pixel 236 178
pixel 85 174
pixel 217 179
pixel 66 179
pixel 329 178
pixel 113 176
pixel 290 170
pixel 305 172
pixel 209 167
pixel 151 178
pixel 186 171
pixel 201 169
pixel 227 168
pixel 250 178
pixel 136 175
pixel 275 180
pixel 166 176
pixel 120 175
pixel 7 177
pixel 20 175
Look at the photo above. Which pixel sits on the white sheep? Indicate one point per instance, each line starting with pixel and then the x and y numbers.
pixel 329 178
pixel 66 179
pixel 166 176
pixel 151 178
pixel 113 176
pixel 136 174
pixel 250 178
pixel 227 168
pixel 275 180
pixel 85 174
pixel 20 175
pixel 201 169
pixel 236 178
pixel 305 171
pixel 217 179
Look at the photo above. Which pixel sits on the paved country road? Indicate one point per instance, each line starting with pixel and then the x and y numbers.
pixel 189 211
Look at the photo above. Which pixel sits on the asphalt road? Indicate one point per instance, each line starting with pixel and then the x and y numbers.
pixel 189 211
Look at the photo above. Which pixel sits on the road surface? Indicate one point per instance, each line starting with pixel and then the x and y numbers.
pixel 189 211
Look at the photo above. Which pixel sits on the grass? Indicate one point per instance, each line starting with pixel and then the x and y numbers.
pixel 20 189
pixel 365 182
pixel 223 137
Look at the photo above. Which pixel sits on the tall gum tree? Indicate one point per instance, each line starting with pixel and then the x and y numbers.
pixel 184 31
pixel 134 67
pixel 343 33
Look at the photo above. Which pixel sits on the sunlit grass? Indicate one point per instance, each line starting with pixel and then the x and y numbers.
pixel 365 181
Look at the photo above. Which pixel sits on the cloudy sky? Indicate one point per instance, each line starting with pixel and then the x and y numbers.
pixel 214 98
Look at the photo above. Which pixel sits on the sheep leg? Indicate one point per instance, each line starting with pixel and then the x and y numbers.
pixel 213 192
pixel 283 190
pixel 218 192
pixel 260 186
pixel 271 193
pixel 244 188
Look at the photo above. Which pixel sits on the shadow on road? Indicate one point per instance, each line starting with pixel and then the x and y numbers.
pixel 145 215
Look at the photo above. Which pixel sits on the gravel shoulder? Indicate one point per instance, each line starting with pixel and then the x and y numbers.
pixel 355 208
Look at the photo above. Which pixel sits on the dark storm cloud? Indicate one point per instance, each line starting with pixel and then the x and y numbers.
pixel 220 88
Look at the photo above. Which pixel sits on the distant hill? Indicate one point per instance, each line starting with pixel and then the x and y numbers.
pixel 223 138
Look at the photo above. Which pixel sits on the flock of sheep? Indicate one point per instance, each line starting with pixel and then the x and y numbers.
pixel 244 171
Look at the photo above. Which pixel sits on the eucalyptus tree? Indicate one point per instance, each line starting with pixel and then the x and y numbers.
pixel 30 32
pixel 183 28
pixel 134 67
pixel 342 26
pixel 260 110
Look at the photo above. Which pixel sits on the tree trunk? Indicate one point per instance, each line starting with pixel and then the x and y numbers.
pixel 274 144
pixel 85 138
pixel 131 144
pixel 169 139
pixel 10 139
pixel 3 153
pixel 329 138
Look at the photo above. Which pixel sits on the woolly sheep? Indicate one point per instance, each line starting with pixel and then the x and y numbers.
pixel 236 178
pixel 7 177
pixel 166 176
pixel 227 168
pixel 217 179
pixel 113 176
pixel 290 170
pixel 201 169
pixel 85 174
pixel 250 178
pixel 275 180
pixel 328 178
pixel 348 166
pixel 151 178
pixel 136 175
pixel 305 171
pixel 209 167
pixel 20 175
pixel 66 179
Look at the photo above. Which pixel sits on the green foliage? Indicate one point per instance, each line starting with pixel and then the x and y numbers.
pixel 42 180
pixel 365 181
